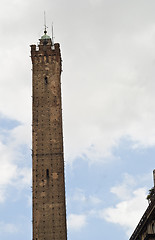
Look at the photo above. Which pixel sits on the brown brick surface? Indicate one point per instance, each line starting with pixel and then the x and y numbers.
pixel 49 210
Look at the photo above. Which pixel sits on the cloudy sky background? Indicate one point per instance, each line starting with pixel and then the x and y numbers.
pixel 108 84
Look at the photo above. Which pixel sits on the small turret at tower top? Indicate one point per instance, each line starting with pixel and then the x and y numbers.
pixel 45 36
pixel 46 39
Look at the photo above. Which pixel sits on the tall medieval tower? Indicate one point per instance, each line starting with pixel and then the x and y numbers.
pixel 49 209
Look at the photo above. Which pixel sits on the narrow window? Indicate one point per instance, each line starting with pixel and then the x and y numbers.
pixel 47 173
pixel 46 80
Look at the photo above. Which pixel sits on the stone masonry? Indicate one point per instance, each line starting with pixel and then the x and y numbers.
pixel 49 209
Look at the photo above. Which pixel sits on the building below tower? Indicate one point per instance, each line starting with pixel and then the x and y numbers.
pixel 145 230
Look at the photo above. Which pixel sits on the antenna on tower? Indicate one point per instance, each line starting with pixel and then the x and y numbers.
pixel 52 37
pixel 45 31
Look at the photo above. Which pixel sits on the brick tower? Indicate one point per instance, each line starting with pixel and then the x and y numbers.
pixel 49 209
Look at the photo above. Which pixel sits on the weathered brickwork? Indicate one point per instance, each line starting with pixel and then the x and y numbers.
pixel 49 210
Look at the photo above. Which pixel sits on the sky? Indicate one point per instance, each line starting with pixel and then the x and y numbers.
pixel 108 52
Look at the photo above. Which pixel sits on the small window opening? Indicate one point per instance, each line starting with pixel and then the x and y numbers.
pixel 47 173
pixel 46 80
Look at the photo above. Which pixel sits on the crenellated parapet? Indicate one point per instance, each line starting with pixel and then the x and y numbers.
pixel 46 52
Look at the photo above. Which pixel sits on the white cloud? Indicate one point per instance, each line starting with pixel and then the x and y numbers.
pixel 21 135
pixel 25 176
pixel 124 190
pixel 8 170
pixel 11 174
pixel 84 203
pixel 128 212
pixel 76 222
pixel 81 197
pixel 112 96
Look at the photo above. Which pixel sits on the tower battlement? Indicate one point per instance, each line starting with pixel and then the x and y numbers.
pixel 46 52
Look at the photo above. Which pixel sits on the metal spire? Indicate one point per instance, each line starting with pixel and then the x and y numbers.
pixel 45 31
pixel 45 36
pixel 52 36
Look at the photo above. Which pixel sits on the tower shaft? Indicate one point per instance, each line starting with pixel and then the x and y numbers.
pixel 49 209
